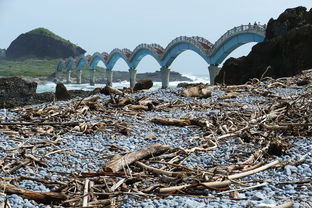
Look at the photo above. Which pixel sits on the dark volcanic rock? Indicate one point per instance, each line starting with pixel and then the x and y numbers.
pixel 42 43
pixel 61 92
pixel 15 91
pixel 143 84
pixel 287 49
pixel 16 87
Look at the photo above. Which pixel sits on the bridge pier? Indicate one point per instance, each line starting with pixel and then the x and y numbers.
pixel 92 77
pixel 132 77
pixel 79 72
pixel 109 77
pixel 68 73
pixel 213 72
pixel 165 75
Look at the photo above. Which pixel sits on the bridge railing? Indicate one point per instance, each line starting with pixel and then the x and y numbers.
pixel 256 28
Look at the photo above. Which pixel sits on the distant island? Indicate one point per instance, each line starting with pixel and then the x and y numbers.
pixel 42 43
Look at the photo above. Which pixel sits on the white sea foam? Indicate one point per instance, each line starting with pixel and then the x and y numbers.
pixel 50 86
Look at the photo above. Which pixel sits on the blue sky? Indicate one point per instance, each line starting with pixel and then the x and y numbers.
pixel 101 25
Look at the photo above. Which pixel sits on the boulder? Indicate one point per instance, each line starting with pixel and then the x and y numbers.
pixel 42 43
pixel 286 50
pixel 16 91
pixel 144 84
pixel 16 87
pixel 61 92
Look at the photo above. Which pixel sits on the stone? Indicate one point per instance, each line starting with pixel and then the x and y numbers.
pixel 16 87
pixel 16 91
pixel 286 50
pixel 258 196
pixel 144 84
pixel 288 170
pixel 61 92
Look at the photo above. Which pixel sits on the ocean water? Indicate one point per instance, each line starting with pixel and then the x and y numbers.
pixel 50 86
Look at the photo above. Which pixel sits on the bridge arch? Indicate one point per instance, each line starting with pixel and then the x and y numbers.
pixel 118 54
pixel 96 57
pixel 213 54
pixel 176 49
pixel 229 45
pixel 82 61
pixel 140 52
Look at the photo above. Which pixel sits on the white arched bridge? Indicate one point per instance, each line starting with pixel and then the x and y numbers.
pixel 213 54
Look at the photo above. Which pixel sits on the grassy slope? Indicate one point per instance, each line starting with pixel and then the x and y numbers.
pixel 36 68
pixel 48 33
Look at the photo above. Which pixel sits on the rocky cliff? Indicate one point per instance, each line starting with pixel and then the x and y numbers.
pixel 42 43
pixel 287 49
pixel 2 53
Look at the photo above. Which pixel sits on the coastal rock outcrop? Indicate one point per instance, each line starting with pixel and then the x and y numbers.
pixel 286 50
pixel 61 92
pixel 42 43
pixel 16 87
pixel 144 84
pixel 15 91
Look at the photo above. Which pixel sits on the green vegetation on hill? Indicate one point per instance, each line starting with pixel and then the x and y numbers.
pixel 36 68
pixel 48 33
pixel 27 67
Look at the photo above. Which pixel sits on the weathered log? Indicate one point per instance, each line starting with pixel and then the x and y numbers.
pixel 138 107
pixel 124 101
pixel 171 121
pixel 197 91
pixel 108 90
pixel 228 96
pixel 159 171
pixel 42 197
pixel 117 164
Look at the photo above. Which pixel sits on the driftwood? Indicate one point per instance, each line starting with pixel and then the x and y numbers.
pixel 171 121
pixel 197 91
pixel 222 183
pixel 272 119
pixel 228 96
pixel 42 197
pixel 137 107
pixel 286 205
pixel 118 164
pixel 159 171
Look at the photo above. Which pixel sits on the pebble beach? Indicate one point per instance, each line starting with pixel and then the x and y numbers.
pixel 64 154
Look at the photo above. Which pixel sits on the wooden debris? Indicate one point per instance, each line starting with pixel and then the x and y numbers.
pixel 264 125
pixel 228 96
pixel 171 121
pixel 42 197
pixel 197 91
pixel 222 183
pixel 152 150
